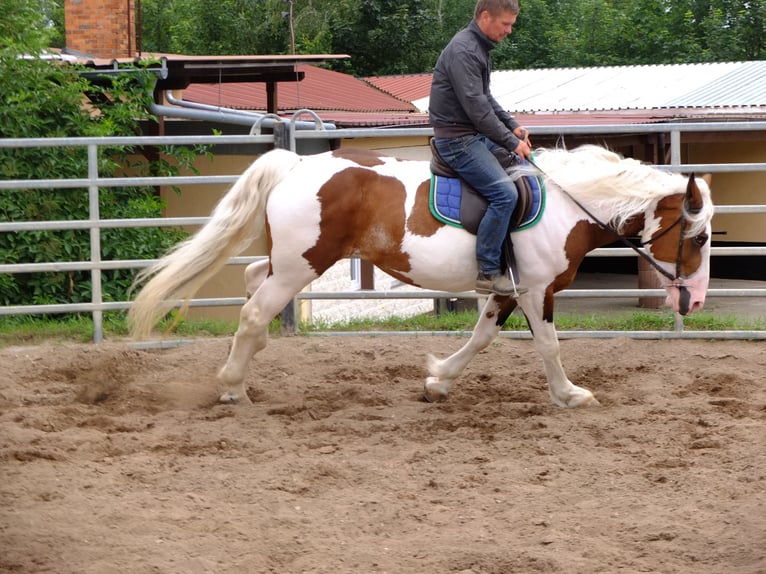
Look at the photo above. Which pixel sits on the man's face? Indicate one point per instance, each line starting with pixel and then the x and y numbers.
pixel 497 27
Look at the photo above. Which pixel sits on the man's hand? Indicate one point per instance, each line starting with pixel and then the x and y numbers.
pixel 524 149
pixel 523 134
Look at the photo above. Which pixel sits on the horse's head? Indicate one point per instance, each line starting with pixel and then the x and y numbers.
pixel 677 236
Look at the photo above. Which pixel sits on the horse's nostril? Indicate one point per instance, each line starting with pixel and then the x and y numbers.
pixel 684 300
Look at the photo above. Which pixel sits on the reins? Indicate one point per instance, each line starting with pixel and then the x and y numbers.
pixel 621 237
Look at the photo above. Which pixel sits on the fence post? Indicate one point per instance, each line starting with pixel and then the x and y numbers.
pixel 94 213
pixel 282 135
pixel 287 317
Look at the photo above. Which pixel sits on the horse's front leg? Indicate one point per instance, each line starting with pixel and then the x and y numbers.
pixel 562 391
pixel 444 371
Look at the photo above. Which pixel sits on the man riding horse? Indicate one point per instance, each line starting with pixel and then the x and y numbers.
pixel 470 127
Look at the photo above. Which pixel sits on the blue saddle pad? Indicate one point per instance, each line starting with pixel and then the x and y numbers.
pixel 446 200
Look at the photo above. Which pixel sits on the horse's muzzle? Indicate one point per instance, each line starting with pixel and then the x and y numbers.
pixel 685 299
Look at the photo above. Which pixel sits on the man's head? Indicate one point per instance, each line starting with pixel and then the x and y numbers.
pixel 496 17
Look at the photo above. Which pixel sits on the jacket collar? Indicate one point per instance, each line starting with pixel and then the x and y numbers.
pixel 485 42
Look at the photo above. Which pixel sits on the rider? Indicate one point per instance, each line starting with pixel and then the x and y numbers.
pixel 469 125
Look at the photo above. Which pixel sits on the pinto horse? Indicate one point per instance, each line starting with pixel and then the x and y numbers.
pixel 316 210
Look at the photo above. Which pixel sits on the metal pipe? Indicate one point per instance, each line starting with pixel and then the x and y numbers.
pixel 94 213
pixel 193 110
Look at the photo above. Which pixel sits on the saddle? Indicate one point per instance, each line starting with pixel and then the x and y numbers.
pixel 456 203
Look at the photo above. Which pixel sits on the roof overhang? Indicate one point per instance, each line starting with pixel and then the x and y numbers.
pixel 185 70
pixel 177 71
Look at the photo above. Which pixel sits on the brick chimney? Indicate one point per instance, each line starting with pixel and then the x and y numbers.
pixel 101 28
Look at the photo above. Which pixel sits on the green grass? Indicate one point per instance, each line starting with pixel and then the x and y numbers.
pixel 30 329
pixel 627 321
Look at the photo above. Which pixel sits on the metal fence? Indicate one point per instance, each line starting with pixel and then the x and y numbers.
pixel 286 136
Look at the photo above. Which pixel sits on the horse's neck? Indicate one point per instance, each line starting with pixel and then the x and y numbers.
pixel 597 237
pixel 633 227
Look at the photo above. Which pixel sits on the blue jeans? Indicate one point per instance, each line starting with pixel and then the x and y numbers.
pixel 472 158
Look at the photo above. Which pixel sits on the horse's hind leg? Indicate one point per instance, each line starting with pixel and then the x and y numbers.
pixel 444 371
pixel 252 334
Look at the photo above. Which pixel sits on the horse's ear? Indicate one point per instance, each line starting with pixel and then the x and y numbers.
pixel 693 196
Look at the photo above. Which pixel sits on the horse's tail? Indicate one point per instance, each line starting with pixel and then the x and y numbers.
pixel 237 220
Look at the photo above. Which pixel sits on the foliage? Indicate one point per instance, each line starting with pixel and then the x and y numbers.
pixel 386 36
pixel 45 98
pixel 554 33
pixel 215 26
pixel 406 36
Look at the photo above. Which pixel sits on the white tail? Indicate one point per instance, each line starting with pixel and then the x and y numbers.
pixel 236 221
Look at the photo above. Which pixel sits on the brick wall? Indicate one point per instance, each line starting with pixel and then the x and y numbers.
pixel 101 28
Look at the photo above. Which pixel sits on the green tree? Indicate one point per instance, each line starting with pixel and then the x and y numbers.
pixel 557 33
pixel 401 36
pixel 386 36
pixel 751 23
pixel 221 27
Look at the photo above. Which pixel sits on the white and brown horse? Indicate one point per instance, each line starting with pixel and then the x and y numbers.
pixel 316 210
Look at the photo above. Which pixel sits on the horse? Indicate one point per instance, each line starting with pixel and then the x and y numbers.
pixel 318 209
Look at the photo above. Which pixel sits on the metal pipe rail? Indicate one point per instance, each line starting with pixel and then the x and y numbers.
pixel 94 223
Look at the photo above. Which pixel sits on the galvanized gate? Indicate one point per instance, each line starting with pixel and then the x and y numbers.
pixel 285 135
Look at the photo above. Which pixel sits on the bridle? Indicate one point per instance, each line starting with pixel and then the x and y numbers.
pixel 679 257
pixel 675 279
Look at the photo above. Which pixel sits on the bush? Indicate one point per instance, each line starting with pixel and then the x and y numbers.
pixel 47 98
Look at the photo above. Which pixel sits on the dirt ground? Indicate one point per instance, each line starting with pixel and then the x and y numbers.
pixel 114 459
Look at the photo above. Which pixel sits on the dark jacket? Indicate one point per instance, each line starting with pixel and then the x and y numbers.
pixel 461 103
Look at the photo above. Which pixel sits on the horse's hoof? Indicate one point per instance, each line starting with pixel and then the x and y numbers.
pixel 584 402
pixel 230 398
pixel 434 391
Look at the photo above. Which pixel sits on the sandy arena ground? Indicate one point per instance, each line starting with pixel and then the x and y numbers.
pixel 119 460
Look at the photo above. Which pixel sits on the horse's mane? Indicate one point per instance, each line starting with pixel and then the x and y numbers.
pixel 611 184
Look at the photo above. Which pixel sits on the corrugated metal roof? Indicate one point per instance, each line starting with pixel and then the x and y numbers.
pixel 612 88
pixel 409 87
pixel 320 90
pixel 562 96
pixel 745 85
pixel 601 88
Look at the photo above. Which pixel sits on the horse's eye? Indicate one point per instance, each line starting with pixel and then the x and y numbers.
pixel 700 240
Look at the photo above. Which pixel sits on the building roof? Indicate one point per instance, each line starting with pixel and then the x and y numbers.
pixel 560 96
pixel 339 98
pixel 738 86
pixel 320 90
pixel 409 87
pixel 246 82
pixel 177 71
pixel 732 84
